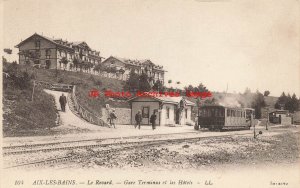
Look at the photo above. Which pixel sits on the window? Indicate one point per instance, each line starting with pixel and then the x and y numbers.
pixel 168 113
pixel 217 113
pixel 37 44
pixel 186 113
pixel 222 113
pixel 145 112
pixel 48 53
pixel 48 63
pixel 228 113
pixel 208 112
pixel 204 113
pixel 37 53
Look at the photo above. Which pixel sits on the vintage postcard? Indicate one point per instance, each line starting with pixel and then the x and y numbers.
pixel 150 93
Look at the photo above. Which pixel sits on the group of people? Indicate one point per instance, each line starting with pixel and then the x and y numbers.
pixel 112 115
pixel 139 118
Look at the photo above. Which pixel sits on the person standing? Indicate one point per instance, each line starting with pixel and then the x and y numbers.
pixel 63 102
pixel 138 119
pixel 113 118
pixel 196 122
pixel 153 119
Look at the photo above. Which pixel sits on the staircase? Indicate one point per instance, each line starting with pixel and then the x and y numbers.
pixel 83 113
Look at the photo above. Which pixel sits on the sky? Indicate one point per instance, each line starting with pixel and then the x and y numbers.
pixel 241 44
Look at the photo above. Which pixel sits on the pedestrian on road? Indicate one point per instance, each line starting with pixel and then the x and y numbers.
pixel 138 119
pixel 196 122
pixel 113 118
pixel 153 119
pixel 63 102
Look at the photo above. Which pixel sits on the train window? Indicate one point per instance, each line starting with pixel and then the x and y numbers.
pixel 218 113
pixel 221 113
pixel 204 112
pixel 200 113
pixel 232 113
pixel 228 113
pixel 208 112
pixel 212 111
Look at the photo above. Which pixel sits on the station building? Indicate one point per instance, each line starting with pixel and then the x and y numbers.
pixel 169 110
pixel 280 117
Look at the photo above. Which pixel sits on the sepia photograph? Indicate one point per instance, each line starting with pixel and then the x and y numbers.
pixel 150 93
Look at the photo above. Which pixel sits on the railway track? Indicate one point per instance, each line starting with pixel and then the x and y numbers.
pixel 89 140
pixel 88 144
pixel 105 149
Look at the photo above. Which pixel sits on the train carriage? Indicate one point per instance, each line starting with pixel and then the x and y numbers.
pixel 222 118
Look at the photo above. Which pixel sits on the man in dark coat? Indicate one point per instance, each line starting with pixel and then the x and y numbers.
pixel 138 119
pixel 153 119
pixel 63 102
pixel 113 118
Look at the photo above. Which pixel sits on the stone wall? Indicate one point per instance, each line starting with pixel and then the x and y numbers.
pixel 123 115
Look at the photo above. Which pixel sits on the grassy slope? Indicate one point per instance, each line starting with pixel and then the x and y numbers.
pixel 21 115
pixel 85 83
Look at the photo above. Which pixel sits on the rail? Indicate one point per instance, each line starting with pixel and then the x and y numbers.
pixel 84 113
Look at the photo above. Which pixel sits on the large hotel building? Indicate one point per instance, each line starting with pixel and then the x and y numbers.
pixel 49 52
pixel 40 50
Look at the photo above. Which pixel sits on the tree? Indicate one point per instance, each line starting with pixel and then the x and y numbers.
pixel 199 88
pixel 144 84
pixel 132 84
pixel 281 101
pixel 99 68
pixel 292 103
pixel 4 60
pixel 64 61
pixel 247 91
pixel 258 103
pixel 158 86
pixel 266 93
pixel 137 82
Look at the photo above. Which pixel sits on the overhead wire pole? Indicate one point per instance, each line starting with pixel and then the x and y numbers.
pixel 33 90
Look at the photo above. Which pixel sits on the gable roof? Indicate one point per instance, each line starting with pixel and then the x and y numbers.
pixel 45 38
pixel 168 100
pixel 136 62
pixel 81 43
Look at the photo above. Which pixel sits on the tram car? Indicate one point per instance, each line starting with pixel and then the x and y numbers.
pixel 217 117
pixel 250 115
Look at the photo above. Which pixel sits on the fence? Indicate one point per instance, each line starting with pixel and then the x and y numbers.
pixel 85 114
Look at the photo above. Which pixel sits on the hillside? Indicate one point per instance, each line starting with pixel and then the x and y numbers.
pixel 84 82
pixel 21 115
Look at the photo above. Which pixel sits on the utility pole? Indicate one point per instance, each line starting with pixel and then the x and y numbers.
pixel 267 124
pixel 33 90
pixel 251 116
